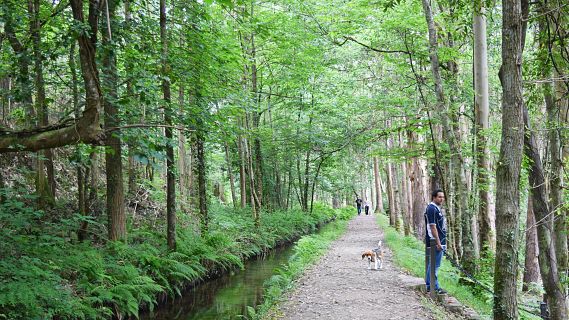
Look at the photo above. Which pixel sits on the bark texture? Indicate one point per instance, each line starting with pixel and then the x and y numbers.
pixel 482 115
pixel 545 234
pixel 170 165
pixel 509 165
pixel 531 263
pixel 113 156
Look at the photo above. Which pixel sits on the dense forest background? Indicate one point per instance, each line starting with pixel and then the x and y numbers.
pixel 160 132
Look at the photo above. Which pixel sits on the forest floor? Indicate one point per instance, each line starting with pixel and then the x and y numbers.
pixel 340 286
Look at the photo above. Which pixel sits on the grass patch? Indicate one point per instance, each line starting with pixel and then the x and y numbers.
pixel 307 250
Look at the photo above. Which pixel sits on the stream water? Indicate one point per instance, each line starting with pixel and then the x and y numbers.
pixel 226 297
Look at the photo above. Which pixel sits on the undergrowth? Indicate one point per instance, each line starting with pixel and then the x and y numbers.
pixel 46 273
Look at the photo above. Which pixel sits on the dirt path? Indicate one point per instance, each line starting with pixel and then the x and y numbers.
pixel 341 287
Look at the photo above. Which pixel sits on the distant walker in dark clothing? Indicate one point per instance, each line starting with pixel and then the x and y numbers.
pixel 359 205
pixel 435 223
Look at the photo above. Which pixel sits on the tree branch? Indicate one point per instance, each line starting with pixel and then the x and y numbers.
pixel 348 38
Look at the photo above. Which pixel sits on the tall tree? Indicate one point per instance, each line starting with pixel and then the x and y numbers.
pixel 45 177
pixel 113 155
pixel 545 235
pixel 170 166
pixel 509 165
pixel 457 161
pixel 481 103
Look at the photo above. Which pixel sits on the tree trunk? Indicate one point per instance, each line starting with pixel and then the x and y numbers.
pixel 545 235
pixel 406 203
pixel 201 174
pixel 561 226
pixel 132 167
pixel 170 165
pixel 509 165
pixel 390 195
pixel 554 146
pixel 531 264
pixel 469 253
pixel 377 184
pixel 81 174
pixel 230 173
pixel 418 191
pixel 113 157
pixel 45 184
pixel 183 169
pixel 254 207
pixel 242 178
pixel 481 106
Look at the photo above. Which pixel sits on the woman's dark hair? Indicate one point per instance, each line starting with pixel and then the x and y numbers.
pixel 435 193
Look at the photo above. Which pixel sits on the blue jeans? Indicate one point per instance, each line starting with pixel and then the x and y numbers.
pixel 359 210
pixel 438 259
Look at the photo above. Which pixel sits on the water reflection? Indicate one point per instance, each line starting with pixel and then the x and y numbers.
pixel 228 296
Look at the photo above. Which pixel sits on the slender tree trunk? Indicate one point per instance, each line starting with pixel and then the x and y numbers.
pixel 91 202
pixel 391 195
pixel 132 170
pixel 554 113
pixel 561 227
pixel 230 173
pixel 406 203
pixel 113 158
pixel 289 187
pixel 242 178
pixel 545 234
pixel 46 188
pixel 509 165
pixel 306 181
pixel 182 165
pixel 377 184
pixel 170 165
pixel 81 174
pixel 254 207
pixel 531 264
pixel 469 252
pixel 417 190
pixel 201 174
pixel 481 102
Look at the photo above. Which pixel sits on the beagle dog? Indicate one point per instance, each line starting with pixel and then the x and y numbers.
pixel 375 256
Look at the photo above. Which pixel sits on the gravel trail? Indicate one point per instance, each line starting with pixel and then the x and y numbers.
pixel 340 286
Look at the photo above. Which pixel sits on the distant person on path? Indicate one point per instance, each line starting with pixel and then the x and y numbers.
pixel 367 204
pixel 435 223
pixel 359 205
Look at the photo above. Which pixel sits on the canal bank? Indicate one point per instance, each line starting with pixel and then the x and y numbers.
pixel 228 294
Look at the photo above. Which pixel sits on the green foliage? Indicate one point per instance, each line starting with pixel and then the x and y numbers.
pixel 44 275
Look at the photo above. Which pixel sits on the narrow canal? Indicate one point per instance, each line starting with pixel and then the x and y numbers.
pixel 226 297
